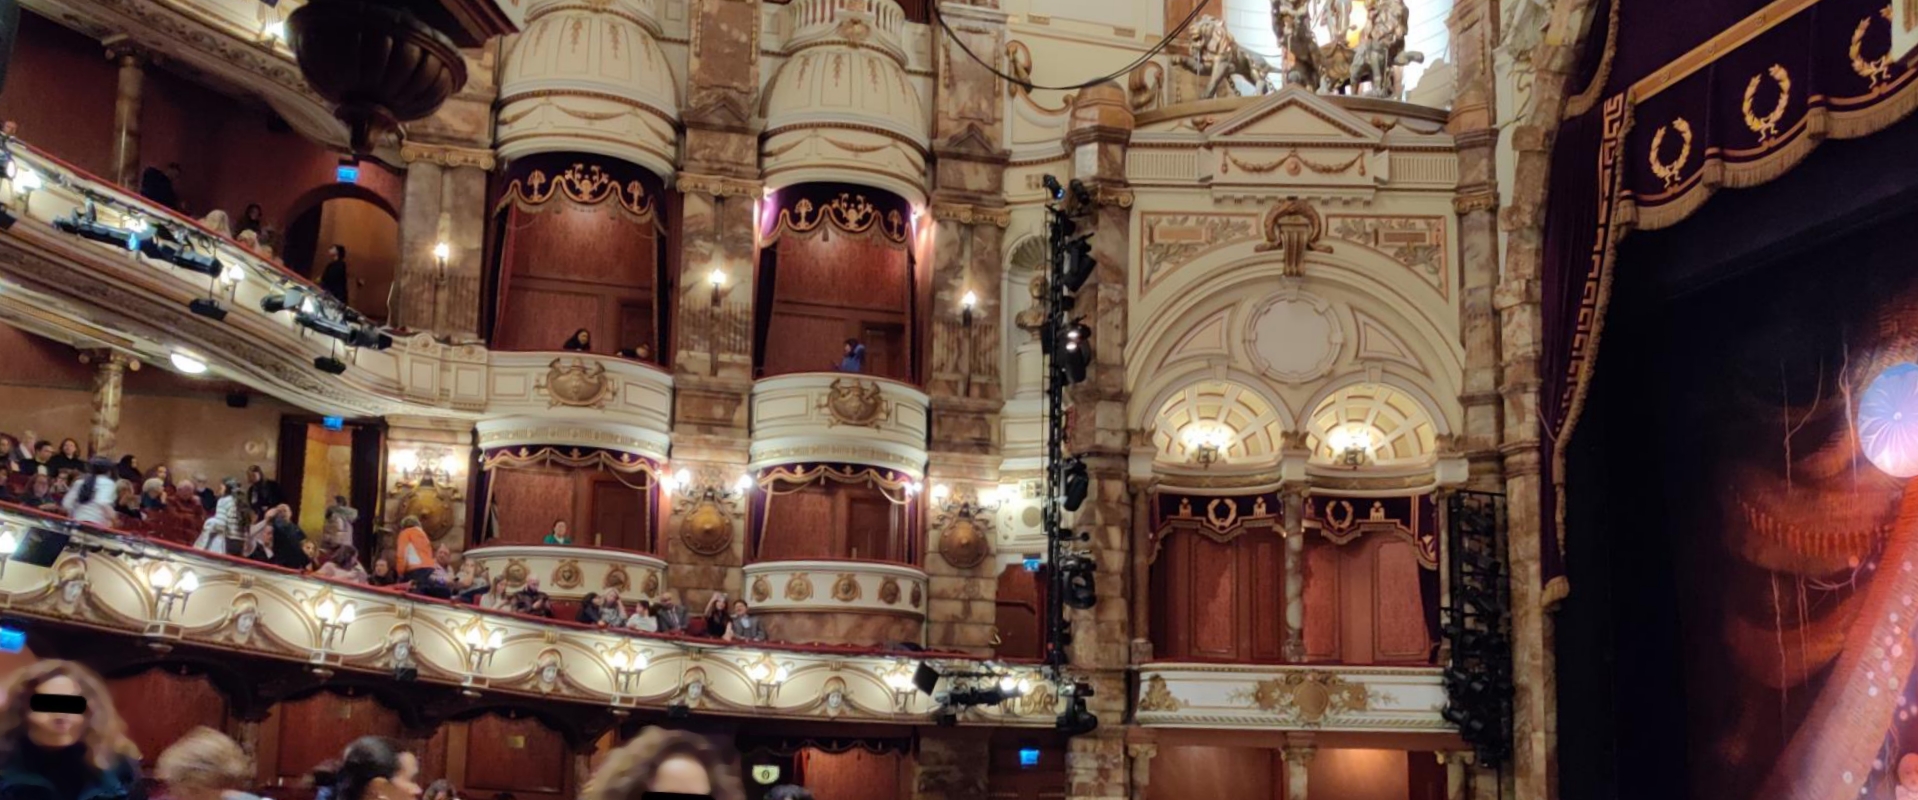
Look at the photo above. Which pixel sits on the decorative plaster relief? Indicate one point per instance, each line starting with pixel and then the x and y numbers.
pixel 1294 337
pixel 1172 241
pixel 1418 243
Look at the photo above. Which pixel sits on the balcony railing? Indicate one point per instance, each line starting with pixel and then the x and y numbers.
pixel 1322 698
pixel 120 584
pixel 839 418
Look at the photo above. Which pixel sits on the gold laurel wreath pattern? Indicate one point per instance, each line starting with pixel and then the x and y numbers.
pixel 1669 172
pixel 1767 126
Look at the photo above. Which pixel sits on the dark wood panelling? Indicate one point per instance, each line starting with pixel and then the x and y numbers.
pixel 1213 611
pixel 1399 635
pixel 1193 773
pixel 1363 603
pixel 832 520
pixel 160 706
pixel 599 507
pixel 575 268
pixel 319 727
pixel 1220 601
pixel 855 775
pixel 528 500
pixel 1322 639
pixel 520 755
pixel 1016 613
pixel 827 290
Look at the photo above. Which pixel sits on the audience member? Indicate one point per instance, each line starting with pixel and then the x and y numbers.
pixel 559 534
pixel 638 352
pixel 375 768
pixel 854 358
pixel 340 519
pixel 10 448
pixel 672 616
pixel 470 583
pixel 716 616
pixel 661 761
pixel 42 461
pixel 184 517
pixel 344 565
pixel 218 221
pixel 742 626
pixel 253 219
pixel 383 573
pixel 126 499
pixel 161 185
pixel 642 618
pixel 262 493
pixel 152 497
pixel 40 495
pixel 128 469
pixel 441 789
pixel 416 563
pixel 205 765
pixel 209 498
pixel 581 340
pixel 90 501
pixel 68 457
pixel 333 275
pixel 224 531
pixel 165 475
pixel 589 609
pixel 612 611
pixel 530 600
pixel 60 737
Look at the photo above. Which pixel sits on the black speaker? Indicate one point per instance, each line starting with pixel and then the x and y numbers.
pixel 9 31
pixel 41 547
pixel 233 399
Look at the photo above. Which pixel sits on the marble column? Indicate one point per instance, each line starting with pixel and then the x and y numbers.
pixel 1293 518
pixel 1298 765
pixel 445 201
pixel 109 377
pixel 128 96
pixel 1140 756
pixel 1458 773
pixel 950 764
pixel 717 224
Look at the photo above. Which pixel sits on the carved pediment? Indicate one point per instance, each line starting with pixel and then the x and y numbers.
pixel 1294 116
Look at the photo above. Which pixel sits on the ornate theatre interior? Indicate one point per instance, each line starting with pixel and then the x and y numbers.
pixel 968 399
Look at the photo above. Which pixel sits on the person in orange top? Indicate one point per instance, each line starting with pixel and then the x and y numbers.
pixel 415 552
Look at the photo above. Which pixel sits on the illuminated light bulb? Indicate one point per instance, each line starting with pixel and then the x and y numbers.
pixel 188 364
pixel 744 484
pixel 641 660
pixel 442 251
pixel 717 278
pixel 1008 684
pixel 619 660
pixel 276 30
pixel 779 675
pixel 348 613
pixel 682 479
pixel 326 610
pixel 188 582
pixel 137 224
pixel 473 637
pixel 233 273
pixel 940 492
pixel 162 577
pixel 970 301
pixel 26 180
pixel 497 638
pixel 8 543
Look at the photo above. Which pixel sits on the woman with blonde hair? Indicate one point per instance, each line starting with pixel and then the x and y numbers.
pixel 205 765
pixel 661 760
pixel 60 738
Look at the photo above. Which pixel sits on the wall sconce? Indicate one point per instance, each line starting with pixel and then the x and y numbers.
pixel 9 542
pixel 966 306
pixel 25 182
pixel 899 680
pixel 170 586
pixel 421 467
pixel 680 484
pixel 1207 443
pixel 442 252
pixel 767 675
pixel 627 664
pixel 970 505
pixel 1351 446
pixel 481 643
pixel 334 617
pixel 718 280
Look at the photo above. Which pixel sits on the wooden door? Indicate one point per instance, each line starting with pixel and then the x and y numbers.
pixel 619 515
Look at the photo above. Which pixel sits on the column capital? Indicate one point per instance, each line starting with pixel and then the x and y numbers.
pixel 1480 197
pixel 447 155
pixel 971 214
pixel 110 359
pixel 122 48
pixel 720 186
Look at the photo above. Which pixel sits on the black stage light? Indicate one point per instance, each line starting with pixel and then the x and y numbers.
pixel 87 227
pixel 369 336
pixel 1076 721
pixel 1078 263
pixel 1081 590
pixel 291 298
pixel 405 674
pixel 946 719
pixel 181 257
pixel 976 696
pixel 1076 483
pixel 1053 188
pixel 1076 356
pixel 330 365
pixel 925 678
pixel 207 307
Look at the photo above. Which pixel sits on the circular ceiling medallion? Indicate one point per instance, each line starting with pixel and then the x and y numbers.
pixel 1294 337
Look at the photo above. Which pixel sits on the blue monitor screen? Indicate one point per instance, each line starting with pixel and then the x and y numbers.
pixel 12 640
pixel 347 173
pixel 1028 756
pixel 1032 565
pixel 333 423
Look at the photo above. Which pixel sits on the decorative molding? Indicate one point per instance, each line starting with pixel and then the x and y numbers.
pixel 972 214
pixel 1302 698
pixel 447 155
pixel 720 186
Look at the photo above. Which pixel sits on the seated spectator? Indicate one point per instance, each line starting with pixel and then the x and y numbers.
pixel 559 534
pixel 589 609
pixel 580 341
pixel 854 357
pixel 415 552
pixel 530 600
pixel 344 565
pixel 612 612
pixel 162 185
pixel 152 498
pixel 161 472
pixel 209 498
pixel 68 458
pixel 205 765
pixel 470 582
pixel 638 352
pixel 128 470
pixel 262 493
pixel 383 574
pixel 642 618
pixel 441 789
pixel 340 519
pixel 42 461
pixel 253 219
pixel 671 615
pixel 742 627
pixel 10 448
pixel 183 518
pixel 218 221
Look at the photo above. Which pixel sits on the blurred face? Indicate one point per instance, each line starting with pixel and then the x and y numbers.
pixel 381 567
pixel 41 484
pixel 334 251
pixel 160 472
pixel 402 786
pixel 56 730
pixel 739 608
pixel 70 448
pixel 583 337
pixel 559 529
pixel 682 774
pixel 44 452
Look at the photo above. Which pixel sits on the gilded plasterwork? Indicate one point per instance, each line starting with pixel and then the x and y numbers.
pixel 1157 697
pixel 1312 697
pixel 1418 243
pixel 1172 241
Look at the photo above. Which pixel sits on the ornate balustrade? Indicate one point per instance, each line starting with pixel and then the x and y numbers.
pixel 577 399
pixel 569 572
pixel 174 597
pixel 839 601
pixel 834 417
pixel 1325 698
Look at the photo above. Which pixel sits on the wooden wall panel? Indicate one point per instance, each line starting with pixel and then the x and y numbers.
pixel 542 317
pixel 1214 607
pixel 1349 774
pixel 587 246
pixel 520 755
pixel 1398 630
pixel 1017 608
pixel 828 290
pixel 842 272
pixel 159 707
pixel 529 500
pixel 1204 773
pixel 806 342
pixel 1267 555
pixel 830 520
pixel 855 775
pixel 1220 601
pixel 319 727
pixel 574 268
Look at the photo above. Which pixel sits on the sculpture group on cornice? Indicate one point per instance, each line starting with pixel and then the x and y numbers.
pixel 1323 48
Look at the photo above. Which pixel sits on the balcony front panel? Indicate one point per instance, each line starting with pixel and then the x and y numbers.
pixel 239 606
pixel 828 417
pixel 570 572
pixel 577 399
pixel 839 602
pixel 1331 698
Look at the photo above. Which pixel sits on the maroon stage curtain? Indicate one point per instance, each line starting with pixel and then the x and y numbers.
pixel 836 263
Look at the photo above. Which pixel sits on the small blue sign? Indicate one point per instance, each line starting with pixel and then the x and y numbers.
pixel 333 423
pixel 1032 564
pixel 347 173
pixel 12 640
pixel 1028 756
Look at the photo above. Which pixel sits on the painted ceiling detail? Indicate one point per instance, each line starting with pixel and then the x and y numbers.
pixel 1294 337
pixel 1377 341
pixel 1174 240
pixel 1230 416
pixel 1390 425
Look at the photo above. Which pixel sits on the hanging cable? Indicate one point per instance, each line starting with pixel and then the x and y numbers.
pixel 1029 85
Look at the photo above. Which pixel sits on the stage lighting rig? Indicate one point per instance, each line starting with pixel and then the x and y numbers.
pixel 1074 483
pixel 1077 573
pixel 1077 720
pixel 182 257
pixel 85 223
pixel 330 365
pixel 290 298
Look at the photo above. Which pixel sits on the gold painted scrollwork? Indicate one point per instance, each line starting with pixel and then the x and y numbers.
pixel 848 213
pixel 855 402
pixel 580 184
pixel 1767 126
pixel 1669 172
pixel 1157 696
pixel 889 591
pixel 846 588
pixel 1877 70
pixel 799 588
pixel 567 575
pixel 576 385
pixel 762 590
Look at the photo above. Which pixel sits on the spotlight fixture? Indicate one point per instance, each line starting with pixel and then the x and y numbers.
pixel 291 298
pixel 1077 572
pixel 1075 353
pixel 1078 263
pixel 1076 483
pixel 181 257
pixel 330 365
pixel 925 678
pixel 1053 188
pixel 1077 721
pixel 188 364
pixel 6 219
pixel 85 223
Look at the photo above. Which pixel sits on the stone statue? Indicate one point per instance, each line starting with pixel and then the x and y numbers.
pixel 1214 55
pixel 1523 26
pixel 1290 20
pixel 1336 16
pixel 1034 317
pixel 1381 54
